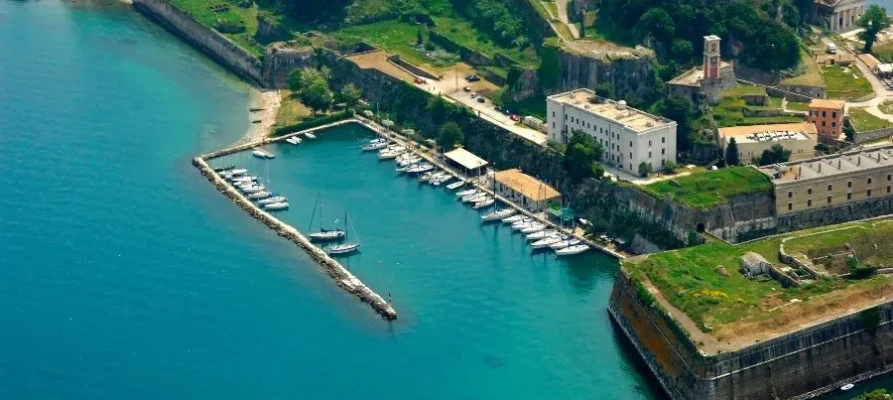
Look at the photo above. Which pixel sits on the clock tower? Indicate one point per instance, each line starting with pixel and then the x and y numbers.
pixel 711 57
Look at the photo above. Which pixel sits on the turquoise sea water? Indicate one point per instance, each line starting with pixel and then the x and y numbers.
pixel 124 274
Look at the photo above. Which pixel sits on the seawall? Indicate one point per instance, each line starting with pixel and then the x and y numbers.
pixel 799 365
pixel 342 277
pixel 207 40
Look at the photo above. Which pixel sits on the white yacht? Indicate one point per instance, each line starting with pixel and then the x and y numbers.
pixel 486 202
pixel 466 192
pixel 421 168
pixel 456 185
pixel 282 205
pixel 327 234
pixel 375 146
pixel 262 154
pixel 291 140
pixel 474 198
pixel 542 234
pixel 566 241
pixel 498 215
pixel 274 199
pixel 389 155
pixel 443 179
pixel 513 218
pixel 534 227
pixel 343 248
pixel 253 189
pixel 522 224
pixel 545 242
pixel 426 176
pixel 259 195
pixel 571 250
pixel 310 135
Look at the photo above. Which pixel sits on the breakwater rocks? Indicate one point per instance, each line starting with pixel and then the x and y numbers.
pixel 799 365
pixel 207 40
pixel 333 268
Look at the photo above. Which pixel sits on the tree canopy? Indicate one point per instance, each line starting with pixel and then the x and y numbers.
pixel 732 157
pixel 313 88
pixel 776 154
pixel 582 157
pixel 872 21
pixel 450 136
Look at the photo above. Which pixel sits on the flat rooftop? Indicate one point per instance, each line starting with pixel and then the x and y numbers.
pixel 829 166
pixel 694 76
pixel 616 111
pixel 770 133
pixel 530 187
pixel 465 158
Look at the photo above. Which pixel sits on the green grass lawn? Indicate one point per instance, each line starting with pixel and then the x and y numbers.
pixel 688 278
pixel 847 85
pixel 798 106
pixel 247 17
pixel 730 112
pixel 886 107
pixel 465 34
pixel 395 37
pixel 550 5
pixel 711 188
pixel 811 75
pixel 291 110
pixel 744 90
pixel 863 121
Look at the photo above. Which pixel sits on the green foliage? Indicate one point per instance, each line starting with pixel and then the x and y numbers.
pixel 314 89
pixel 494 16
pixel 863 121
pixel 871 319
pixel 311 123
pixel 846 84
pixel 775 155
pixel 645 169
pixel 549 71
pixel 582 156
pixel 849 131
pixel 681 49
pixel 873 21
pixel 877 394
pixel 766 44
pixel 732 158
pixel 710 188
pixel 679 110
pixel 350 94
pixel 294 80
pixel 450 136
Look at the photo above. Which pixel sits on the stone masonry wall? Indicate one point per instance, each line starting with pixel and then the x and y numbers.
pixel 280 59
pixel 209 41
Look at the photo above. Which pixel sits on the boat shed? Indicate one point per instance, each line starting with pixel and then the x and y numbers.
pixel 525 190
pixel 470 164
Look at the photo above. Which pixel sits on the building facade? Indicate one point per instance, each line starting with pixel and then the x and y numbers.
pixel 629 136
pixel 525 190
pixel 706 82
pixel 799 138
pixel 831 181
pixel 840 15
pixel 827 115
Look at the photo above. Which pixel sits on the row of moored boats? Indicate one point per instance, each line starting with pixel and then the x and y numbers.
pixel 539 234
pixel 253 189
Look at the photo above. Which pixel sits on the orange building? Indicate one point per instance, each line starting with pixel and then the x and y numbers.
pixel 827 115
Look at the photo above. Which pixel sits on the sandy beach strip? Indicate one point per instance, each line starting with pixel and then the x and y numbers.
pixel 265 105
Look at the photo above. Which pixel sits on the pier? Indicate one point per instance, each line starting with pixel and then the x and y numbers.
pixel 342 277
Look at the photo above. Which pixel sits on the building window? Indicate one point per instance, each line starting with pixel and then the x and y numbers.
pixel 809 191
pixel 849 184
pixel 833 124
pixel 888 189
pixel 790 206
pixel 790 195
pixel 824 114
pixel 663 140
pixel 553 114
pixel 663 151
pixel 829 199
pixel 868 193
pixel 649 154
pixel 849 196
pixel 809 203
pixel 869 181
pixel 829 188
pixel 889 177
pixel 649 143
pixel 823 123
pixel 833 114
pixel 630 154
pixel 630 144
pixel 630 167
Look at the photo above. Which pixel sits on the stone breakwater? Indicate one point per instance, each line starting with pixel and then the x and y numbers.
pixel 333 268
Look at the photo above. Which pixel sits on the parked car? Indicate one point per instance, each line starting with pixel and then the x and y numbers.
pixel 467 88
pixel 419 80
pixel 497 108
pixel 472 78
pixel 506 111
pixel 515 117
pixel 474 95
pixel 481 99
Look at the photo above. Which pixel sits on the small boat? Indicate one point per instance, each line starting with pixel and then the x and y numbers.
pixel 846 387
pixel 571 250
pixel 542 235
pixel 310 135
pixel 378 140
pixel 375 146
pixel 391 149
pixel 512 219
pixel 443 180
pixel 405 162
pixel 498 215
pixel 390 155
pixel 435 176
pixel 466 193
pixel 421 168
pixel 426 176
pixel 534 227
pixel 343 248
pixel 566 241
pixel 239 171
pixel 242 180
pixel 522 224
pixel 474 198
pixel 259 195
pixel 327 234
pixel 455 185
pixel 274 199
pixel 253 189
pixel 224 168
pixel 545 242
pixel 486 202
pixel 290 140
pixel 282 205
pixel 403 169
pixel 262 154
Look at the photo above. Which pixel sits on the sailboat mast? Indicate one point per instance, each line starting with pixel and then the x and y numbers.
pixel 315 204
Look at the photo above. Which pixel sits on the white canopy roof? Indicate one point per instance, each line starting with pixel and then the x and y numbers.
pixel 465 158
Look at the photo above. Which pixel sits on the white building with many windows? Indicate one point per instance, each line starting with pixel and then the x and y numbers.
pixel 629 136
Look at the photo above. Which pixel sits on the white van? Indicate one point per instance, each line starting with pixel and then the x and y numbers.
pixel 832 48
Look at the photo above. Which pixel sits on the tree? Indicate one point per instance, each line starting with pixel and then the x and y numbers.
pixel 350 94
pixel 419 39
pixel 872 21
pixel 849 131
pixel 317 95
pixel 732 157
pixel 776 154
pixel 450 136
pixel 657 23
pixel 679 110
pixel 294 80
pixel 645 169
pixel 582 156
pixel 681 50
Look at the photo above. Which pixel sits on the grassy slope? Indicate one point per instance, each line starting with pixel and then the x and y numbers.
pixel 201 11
pixel 863 121
pixel 729 112
pixel 812 76
pixel 464 33
pixel 711 188
pixel 688 277
pixel 845 85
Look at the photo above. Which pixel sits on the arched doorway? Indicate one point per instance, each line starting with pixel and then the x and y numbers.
pixel 701 228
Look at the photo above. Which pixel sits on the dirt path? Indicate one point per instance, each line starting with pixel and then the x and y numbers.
pixel 562 15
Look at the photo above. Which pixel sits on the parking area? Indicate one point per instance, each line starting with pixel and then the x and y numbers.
pixel 487 111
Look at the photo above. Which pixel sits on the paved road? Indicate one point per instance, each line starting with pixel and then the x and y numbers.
pixel 562 15
pixel 486 111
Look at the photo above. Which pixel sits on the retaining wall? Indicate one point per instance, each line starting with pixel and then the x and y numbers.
pixel 876 134
pixel 207 40
pixel 413 69
pixel 802 364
